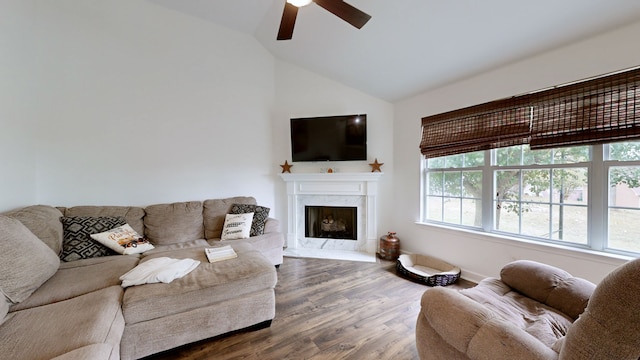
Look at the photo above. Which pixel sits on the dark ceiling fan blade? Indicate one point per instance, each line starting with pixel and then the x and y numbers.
pixel 288 21
pixel 345 11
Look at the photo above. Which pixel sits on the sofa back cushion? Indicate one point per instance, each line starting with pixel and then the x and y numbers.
pixel 215 211
pixel 132 215
pixel 26 261
pixel 174 223
pixel 44 222
pixel 549 285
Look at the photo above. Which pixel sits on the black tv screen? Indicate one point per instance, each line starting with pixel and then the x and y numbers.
pixel 329 138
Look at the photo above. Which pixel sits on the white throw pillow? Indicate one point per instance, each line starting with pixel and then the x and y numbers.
pixel 237 226
pixel 123 240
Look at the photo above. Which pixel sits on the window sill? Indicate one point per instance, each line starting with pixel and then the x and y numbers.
pixel 555 249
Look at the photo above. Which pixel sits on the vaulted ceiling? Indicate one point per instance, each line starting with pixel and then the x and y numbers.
pixel 411 46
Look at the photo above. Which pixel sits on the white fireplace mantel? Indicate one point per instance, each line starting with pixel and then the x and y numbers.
pixel 332 189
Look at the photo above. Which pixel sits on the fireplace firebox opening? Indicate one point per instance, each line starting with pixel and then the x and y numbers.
pixel 334 222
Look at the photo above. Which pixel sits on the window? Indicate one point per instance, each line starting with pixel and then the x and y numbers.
pixel 454 189
pixel 541 194
pixel 624 197
pixel 559 165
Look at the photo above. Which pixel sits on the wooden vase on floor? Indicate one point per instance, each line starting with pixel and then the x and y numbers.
pixel 389 247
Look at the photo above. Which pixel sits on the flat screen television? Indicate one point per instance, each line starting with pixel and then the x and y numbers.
pixel 329 138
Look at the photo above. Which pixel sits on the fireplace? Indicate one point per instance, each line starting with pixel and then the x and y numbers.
pixel 336 222
pixel 348 198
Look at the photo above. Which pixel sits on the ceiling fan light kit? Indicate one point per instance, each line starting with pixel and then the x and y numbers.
pixel 299 3
pixel 339 8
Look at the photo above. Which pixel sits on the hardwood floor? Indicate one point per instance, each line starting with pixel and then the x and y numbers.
pixel 327 309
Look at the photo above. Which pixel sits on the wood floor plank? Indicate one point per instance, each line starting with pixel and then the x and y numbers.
pixel 327 309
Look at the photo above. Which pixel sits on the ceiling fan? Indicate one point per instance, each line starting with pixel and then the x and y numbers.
pixel 339 8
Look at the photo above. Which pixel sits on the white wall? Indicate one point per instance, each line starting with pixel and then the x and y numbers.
pixel 481 255
pixel 126 102
pixel 132 103
pixel 129 103
pixel 301 93
pixel 17 124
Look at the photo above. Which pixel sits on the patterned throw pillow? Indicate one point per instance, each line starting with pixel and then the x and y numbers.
pixel 123 240
pixel 260 215
pixel 236 226
pixel 77 243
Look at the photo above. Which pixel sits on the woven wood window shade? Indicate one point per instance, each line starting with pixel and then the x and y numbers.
pixel 487 126
pixel 601 110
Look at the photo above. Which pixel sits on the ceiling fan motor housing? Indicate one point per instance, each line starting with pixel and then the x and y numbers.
pixel 341 9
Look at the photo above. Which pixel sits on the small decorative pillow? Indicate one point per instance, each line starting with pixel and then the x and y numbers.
pixel 123 240
pixel 237 226
pixel 77 243
pixel 260 215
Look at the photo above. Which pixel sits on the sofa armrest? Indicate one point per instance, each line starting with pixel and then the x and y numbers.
pixel 476 331
pixel 272 226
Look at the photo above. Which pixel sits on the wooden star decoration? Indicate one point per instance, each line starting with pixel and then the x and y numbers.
pixel 376 166
pixel 286 168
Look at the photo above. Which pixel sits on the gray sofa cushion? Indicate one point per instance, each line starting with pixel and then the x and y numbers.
pixel 26 261
pixel 174 223
pixel 215 211
pixel 261 243
pixel 80 277
pixel 45 332
pixel 208 284
pixel 133 215
pixel 44 222
pixel 171 247
pixel 93 352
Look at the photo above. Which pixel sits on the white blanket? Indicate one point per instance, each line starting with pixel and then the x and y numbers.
pixel 162 269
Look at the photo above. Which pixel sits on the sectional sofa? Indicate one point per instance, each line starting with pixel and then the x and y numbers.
pixel 78 309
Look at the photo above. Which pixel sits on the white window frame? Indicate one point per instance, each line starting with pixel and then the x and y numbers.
pixel 597 207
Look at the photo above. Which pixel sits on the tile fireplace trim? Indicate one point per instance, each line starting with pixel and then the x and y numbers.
pixel 346 186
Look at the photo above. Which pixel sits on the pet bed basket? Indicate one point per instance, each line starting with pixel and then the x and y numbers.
pixel 427 270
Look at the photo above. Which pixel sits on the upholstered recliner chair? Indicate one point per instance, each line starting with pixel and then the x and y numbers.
pixel 534 311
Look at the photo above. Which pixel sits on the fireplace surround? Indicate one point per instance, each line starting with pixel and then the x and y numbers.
pixel 357 191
